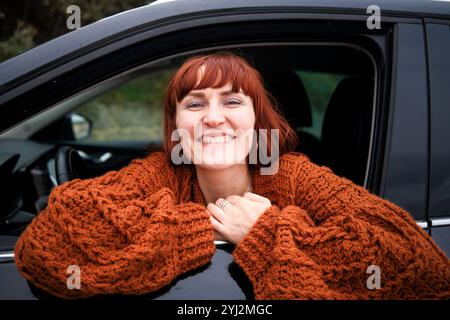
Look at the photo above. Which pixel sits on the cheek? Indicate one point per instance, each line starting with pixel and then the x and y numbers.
pixel 178 119
pixel 183 120
pixel 185 123
pixel 247 120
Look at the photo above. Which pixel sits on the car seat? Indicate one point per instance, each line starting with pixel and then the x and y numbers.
pixel 346 128
pixel 288 90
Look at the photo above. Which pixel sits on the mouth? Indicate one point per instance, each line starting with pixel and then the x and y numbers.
pixel 217 139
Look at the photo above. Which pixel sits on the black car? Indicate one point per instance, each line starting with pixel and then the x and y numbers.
pixel 370 101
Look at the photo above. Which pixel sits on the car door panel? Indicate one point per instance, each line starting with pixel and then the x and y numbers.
pixel 438 41
pixel 405 178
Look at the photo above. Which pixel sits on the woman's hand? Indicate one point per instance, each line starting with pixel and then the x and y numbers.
pixel 235 220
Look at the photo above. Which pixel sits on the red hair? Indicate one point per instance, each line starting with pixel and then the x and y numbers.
pixel 221 68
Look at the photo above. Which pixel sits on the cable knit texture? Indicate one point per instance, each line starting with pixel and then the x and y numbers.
pixel 134 230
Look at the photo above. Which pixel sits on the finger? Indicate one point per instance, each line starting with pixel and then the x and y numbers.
pixel 238 202
pixel 217 213
pixel 219 201
pixel 219 227
pixel 234 199
pixel 256 197
pixel 226 208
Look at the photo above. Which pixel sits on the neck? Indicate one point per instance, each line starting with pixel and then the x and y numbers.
pixel 217 184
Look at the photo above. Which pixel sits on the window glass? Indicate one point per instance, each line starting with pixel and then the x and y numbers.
pixel 131 112
pixel 319 87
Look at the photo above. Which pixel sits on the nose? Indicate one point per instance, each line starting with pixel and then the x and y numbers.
pixel 214 116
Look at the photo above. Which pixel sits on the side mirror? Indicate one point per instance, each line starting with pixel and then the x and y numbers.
pixel 78 127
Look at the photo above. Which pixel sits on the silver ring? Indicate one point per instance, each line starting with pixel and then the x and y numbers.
pixel 223 204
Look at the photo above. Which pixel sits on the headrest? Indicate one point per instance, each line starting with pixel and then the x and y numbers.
pixel 288 90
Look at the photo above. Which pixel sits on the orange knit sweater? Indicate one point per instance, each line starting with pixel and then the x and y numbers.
pixel 134 230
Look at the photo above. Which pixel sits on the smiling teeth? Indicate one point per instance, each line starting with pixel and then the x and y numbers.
pixel 220 139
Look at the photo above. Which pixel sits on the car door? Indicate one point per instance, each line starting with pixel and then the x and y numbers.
pixel 438 45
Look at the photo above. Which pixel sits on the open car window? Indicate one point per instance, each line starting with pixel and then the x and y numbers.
pixel 131 112
pixel 330 107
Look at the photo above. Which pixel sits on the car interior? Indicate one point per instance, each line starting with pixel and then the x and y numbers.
pixel 58 145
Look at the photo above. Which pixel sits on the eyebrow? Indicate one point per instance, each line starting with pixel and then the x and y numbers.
pixel 201 94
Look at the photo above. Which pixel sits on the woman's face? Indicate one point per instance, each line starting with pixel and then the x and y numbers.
pixel 216 126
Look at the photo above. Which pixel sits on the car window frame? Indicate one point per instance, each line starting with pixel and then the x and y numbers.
pixel 337 17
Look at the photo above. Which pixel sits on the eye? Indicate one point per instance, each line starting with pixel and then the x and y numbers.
pixel 194 105
pixel 233 102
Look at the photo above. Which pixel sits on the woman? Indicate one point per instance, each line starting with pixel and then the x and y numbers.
pixel 300 231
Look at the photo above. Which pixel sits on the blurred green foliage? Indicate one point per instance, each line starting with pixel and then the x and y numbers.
pixel 21 40
pixel 28 23
pixel 131 112
pixel 320 87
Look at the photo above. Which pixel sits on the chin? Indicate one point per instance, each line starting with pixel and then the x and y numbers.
pixel 214 166
pixel 220 161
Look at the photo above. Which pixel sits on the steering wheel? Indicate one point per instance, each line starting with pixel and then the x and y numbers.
pixel 69 165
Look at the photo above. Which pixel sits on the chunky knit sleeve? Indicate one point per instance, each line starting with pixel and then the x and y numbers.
pixel 124 231
pixel 334 241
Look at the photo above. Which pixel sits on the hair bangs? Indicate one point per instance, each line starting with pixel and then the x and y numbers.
pixel 213 73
